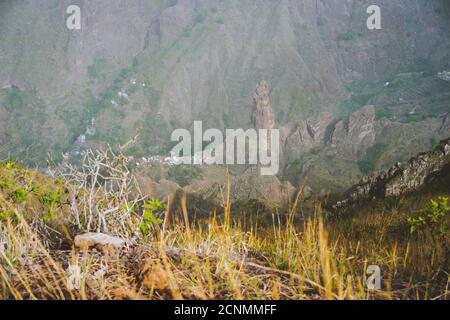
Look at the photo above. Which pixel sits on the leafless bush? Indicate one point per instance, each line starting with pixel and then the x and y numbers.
pixel 103 192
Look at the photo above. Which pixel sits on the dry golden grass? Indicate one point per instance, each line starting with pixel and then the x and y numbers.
pixel 221 257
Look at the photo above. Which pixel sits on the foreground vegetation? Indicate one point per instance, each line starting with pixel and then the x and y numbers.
pixel 170 255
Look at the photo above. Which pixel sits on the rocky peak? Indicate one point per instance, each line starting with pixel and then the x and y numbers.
pixel 262 116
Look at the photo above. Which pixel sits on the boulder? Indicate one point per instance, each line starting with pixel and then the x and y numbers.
pixel 98 240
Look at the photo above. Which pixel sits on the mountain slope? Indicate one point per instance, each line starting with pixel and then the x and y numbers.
pixel 159 65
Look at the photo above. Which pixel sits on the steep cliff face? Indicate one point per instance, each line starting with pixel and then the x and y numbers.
pixel 159 65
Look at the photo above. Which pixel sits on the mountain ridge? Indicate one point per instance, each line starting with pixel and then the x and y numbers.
pixel 401 179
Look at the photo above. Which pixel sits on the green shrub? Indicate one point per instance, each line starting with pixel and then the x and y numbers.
pixel 432 218
pixel 51 201
pixel 151 216
pixel 53 197
pixel 8 215
pixel 433 221
pixel 19 195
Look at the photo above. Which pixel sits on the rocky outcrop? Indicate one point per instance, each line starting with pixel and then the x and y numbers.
pixel 309 134
pixel 400 179
pixel 350 138
pixel 354 136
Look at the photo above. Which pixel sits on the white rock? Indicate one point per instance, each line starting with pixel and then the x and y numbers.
pixel 74 277
pixel 98 240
